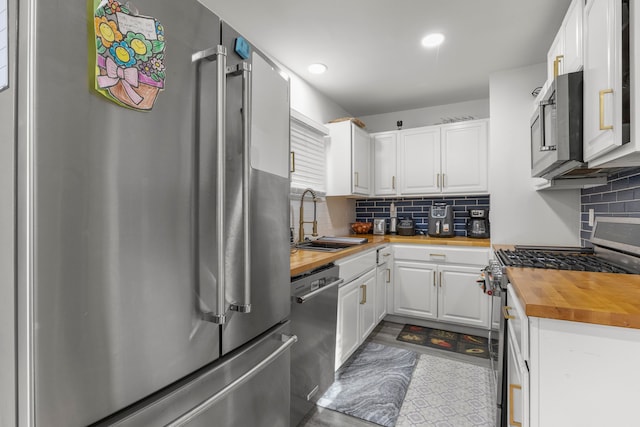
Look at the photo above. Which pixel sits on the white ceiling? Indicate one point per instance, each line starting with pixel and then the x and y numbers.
pixel 372 47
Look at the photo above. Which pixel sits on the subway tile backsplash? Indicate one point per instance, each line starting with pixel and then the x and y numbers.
pixel 418 209
pixel 619 197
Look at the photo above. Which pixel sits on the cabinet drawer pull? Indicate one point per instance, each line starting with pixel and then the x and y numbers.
pixel 505 312
pixel 437 255
pixel 513 422
pixel 602 94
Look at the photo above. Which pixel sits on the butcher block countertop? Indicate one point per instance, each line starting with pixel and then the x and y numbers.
pixel 305 260
pixel 600 298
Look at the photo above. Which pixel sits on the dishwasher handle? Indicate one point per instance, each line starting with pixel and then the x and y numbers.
pixel 306 297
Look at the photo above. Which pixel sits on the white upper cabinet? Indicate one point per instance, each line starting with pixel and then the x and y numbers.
pixel 349 158
pixel 603 78
pixel 441 159
pixel 611 89
pixel 464 157
pixel 419 161
pixel 384 166
pixel 566 52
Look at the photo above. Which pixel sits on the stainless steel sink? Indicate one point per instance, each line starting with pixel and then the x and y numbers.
pixel 331 244
pixel 308 246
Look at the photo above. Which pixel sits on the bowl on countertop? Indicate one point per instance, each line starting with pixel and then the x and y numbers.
pixel 361 227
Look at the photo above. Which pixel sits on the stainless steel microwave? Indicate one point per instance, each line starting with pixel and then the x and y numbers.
pixel 556 129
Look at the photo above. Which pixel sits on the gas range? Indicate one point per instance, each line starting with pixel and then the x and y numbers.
pixel 573 259
pixel 616 249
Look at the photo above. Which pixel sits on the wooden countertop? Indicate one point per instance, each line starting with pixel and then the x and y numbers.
pixel 304 260
pixel 600 298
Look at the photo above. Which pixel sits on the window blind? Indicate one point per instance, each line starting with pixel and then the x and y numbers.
pixel 308 155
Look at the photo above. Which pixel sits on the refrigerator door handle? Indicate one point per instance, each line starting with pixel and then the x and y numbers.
pixel 219 54
pixel 244 69
pixel 288 341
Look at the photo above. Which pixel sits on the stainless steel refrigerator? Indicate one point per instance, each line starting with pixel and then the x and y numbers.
pixel 151 246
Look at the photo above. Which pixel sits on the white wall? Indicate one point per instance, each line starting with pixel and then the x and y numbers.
pixel 519 214
pixel 479 109
pixel 313 104
pixel 334 215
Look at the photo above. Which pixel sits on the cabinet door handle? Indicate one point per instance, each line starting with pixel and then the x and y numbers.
pixel 434 279
pixel 438 180
pixel 393 182
pixel 364 294
pixel 513 422
pixel 356 178
pixel 443 182
pixel 440 279
pixel 556 64
pixel 505 312
pixel 602 94
pixel 388 275
pixel 293 162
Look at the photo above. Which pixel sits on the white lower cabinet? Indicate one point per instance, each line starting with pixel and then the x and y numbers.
pixel 415 292
pixel 427 287
pixel 517 388
pixel 367 305
pixel 383 280
pixel 357 315
pixel 460 299
pixel 563 373
pixel 348 336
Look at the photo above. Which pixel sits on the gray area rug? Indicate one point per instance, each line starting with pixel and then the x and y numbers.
pixel 371 385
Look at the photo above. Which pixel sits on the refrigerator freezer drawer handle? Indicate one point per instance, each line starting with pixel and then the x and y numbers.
pixel 244 69
pixel 288 341
pixel 306 297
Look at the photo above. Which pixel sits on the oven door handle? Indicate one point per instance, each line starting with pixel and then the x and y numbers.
pixel 306 297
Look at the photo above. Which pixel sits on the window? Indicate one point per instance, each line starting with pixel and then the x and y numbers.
pixel 307 154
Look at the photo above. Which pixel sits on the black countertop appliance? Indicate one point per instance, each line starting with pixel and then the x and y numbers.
pixel 478 223
pixel 441 220
pixel 406 227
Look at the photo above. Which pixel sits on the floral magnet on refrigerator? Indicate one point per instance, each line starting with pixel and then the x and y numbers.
pixel 130 54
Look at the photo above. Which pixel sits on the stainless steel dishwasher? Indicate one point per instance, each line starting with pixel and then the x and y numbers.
pixel 314 312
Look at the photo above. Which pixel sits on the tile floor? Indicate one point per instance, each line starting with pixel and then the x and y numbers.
pixel 460 394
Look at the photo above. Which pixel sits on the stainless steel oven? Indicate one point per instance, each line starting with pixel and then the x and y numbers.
pixel 495 284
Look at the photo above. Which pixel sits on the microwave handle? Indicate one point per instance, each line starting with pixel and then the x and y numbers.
pixel 541 107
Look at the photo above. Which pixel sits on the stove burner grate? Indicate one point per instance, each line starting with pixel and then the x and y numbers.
pixel 558 261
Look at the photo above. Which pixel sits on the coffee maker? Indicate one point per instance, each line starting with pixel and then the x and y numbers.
pixel 478 223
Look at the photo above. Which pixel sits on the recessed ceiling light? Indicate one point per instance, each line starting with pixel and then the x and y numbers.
pixel 432 40
pixel 317 68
